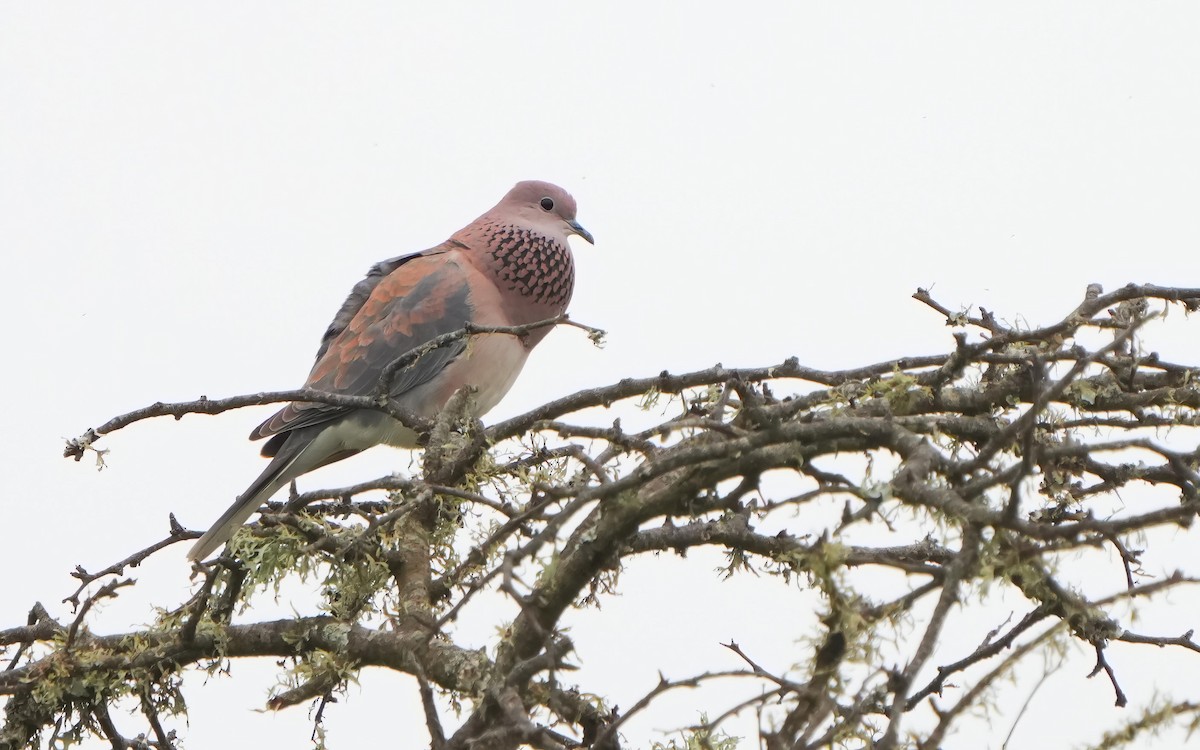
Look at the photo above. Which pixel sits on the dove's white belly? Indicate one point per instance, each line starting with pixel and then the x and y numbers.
pixel 491 364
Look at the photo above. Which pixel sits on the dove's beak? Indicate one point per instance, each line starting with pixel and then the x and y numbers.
pixel 578 229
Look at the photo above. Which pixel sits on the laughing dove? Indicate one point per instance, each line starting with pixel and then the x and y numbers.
pixel 511 266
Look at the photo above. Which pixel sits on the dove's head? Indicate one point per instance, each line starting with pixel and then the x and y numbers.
pixel 543 207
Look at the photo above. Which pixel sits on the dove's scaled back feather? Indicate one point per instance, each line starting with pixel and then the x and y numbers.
pixel 511 266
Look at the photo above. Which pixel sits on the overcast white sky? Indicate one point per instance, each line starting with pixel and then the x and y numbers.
pixel 188 192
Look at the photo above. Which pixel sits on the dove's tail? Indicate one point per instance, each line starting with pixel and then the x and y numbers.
pixel 305 449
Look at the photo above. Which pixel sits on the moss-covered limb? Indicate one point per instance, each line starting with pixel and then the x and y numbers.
pixel 43 628
pixel 1025 569
pixel 448 666
pixel 102 668
pixel 734 532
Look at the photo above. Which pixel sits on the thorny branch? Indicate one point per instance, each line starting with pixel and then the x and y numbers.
pixel 994 464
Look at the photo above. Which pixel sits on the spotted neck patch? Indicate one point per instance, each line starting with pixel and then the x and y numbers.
pixel 536 267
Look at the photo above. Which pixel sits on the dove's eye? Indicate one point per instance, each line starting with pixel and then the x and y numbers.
pixel 547 204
